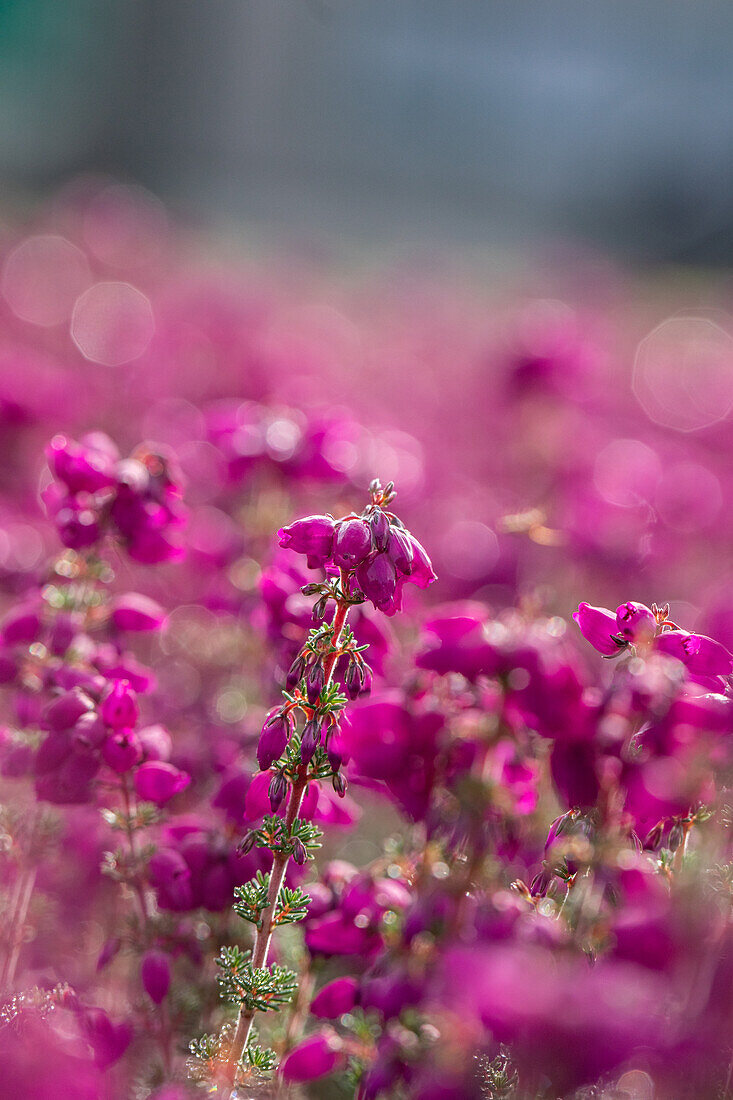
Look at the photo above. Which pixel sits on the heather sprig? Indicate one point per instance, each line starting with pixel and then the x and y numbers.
pixel 299 743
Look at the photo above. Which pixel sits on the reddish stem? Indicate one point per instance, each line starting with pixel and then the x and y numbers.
pixel 280 861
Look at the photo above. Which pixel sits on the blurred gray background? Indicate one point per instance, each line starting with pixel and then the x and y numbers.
pixel 482 121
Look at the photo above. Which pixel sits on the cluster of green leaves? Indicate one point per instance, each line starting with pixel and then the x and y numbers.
pixel 273 834
pixel 262 989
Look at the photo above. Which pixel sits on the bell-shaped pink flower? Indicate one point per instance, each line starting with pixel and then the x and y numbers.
pixel 636 622
pixel 598 625
pixel 119 707
pixel 157 781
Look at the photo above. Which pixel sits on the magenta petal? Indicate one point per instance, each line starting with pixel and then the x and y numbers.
pixel 597 625
pixel 702 655
pixel 157 781
pixel 335 999
pixel 314 1057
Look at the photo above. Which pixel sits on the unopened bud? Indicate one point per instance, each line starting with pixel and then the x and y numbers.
pixel 277 791
pixel 310 740
pixel 295 672
pixel 314 683
pixel 380 529
pixel 339 784
pixel 247 844
pixel 300 854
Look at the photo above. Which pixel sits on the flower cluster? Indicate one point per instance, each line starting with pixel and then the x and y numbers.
pixel 295 760
pixel 95 492
pixel 524 890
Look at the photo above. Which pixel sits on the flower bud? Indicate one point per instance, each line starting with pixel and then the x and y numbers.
pixel 119 707
pixel 295 672
pixel 273 740
pixel 339 784
pixel 654 837
pixel 380 529
pixel 377 580
pixel 155 972
pixel 314 683
pixel 352 680
pixel 310 740
pixel 248 843
pixel 300 854
pixel 277 791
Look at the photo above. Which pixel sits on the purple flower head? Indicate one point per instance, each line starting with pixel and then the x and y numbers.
pixel 352 544
pixel 155 972
pixel 119 707
pixel 312 536
pixel 157 781
pixel 599 626
pixel 314 1057
pixel 273 739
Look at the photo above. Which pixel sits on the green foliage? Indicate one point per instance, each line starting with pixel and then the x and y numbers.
pixel 252 898
pixel 274 835
pixel 292 906
pixel 263 989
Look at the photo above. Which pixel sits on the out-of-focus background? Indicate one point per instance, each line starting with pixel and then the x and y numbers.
pixel 476 123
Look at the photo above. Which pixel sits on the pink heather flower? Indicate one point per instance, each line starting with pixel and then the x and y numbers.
pixel 155 972
pixel 157 781
pixel 67 709
pixel 136 613
pixel 635 622
pixel 313 1057
pixel 352 544
pixel 312 536
pixel 122 751
pixel 598 625
pixel 119 707
pixel 377 578
pixel 156 742
pixel 273 739
pixel 703 656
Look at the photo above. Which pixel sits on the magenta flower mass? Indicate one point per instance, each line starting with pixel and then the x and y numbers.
pixel 286 809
